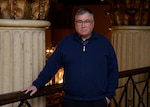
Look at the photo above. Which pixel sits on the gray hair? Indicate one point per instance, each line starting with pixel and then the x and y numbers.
pixel 83 11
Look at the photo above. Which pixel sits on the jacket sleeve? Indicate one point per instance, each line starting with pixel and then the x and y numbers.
pixel 112 73
pixel 50 69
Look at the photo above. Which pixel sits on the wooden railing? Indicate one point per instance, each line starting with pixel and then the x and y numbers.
pixel 20 96
pixel 134 91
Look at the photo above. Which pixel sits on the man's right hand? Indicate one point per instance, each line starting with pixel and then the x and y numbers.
pixel 32 89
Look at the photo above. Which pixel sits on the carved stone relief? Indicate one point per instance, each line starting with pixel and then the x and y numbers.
pixel 24 9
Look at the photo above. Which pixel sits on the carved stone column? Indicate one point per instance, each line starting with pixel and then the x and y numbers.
pixel 22 55
pixel 132 46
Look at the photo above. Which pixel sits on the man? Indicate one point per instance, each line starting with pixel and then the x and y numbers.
pixel 90 66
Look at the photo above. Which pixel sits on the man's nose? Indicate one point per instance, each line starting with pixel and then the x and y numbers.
pixel 83 24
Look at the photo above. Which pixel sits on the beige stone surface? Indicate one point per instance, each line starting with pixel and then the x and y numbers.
pixel 22 55
pixel 132 46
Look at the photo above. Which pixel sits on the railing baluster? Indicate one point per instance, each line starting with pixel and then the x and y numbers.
pixel 23 103
pixel 138 93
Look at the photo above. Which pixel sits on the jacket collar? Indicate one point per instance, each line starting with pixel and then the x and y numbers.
pixel 77 36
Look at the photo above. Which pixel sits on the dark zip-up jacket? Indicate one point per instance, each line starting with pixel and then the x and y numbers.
pixel 90 68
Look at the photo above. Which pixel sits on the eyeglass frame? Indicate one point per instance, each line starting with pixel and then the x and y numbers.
pixel 86 22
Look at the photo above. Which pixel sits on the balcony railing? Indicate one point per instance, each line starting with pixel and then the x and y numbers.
pixel 128 93
pixel 134 91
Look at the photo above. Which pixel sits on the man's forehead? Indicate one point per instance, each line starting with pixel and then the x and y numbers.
pixel 85 15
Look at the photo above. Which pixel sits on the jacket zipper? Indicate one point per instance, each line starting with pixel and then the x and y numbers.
pixel 84 43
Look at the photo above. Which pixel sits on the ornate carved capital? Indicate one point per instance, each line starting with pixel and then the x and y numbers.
pixel 129 12
pixel 24 9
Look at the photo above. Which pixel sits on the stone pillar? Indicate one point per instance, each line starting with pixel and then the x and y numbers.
pixel 22 55
pixel 132 46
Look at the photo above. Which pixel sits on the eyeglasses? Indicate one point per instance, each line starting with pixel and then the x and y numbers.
pixel 86 22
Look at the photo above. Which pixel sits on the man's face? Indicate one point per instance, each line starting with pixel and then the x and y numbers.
pixel 84 24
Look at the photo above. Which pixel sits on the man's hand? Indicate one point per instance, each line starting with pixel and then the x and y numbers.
pixel 32 89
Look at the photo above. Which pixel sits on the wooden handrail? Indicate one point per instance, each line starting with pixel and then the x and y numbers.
pixel 18 95
pixel 131 72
